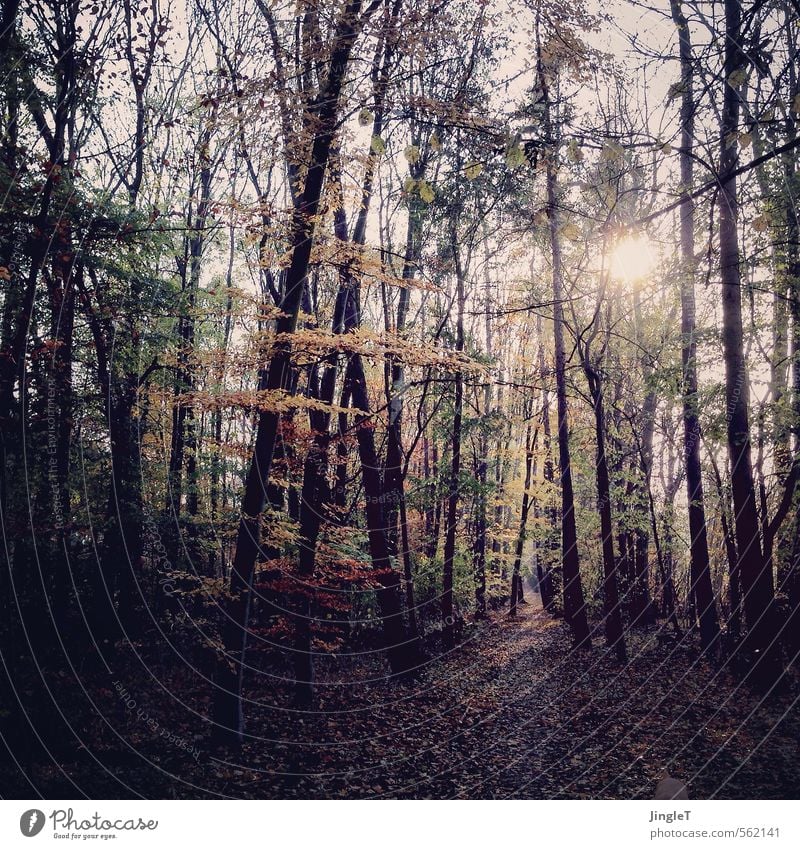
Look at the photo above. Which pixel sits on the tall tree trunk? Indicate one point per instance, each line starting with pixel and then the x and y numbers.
pixel 216 491
pixel 448 620
pixel 574 604
pixel 640 608
pixel 756 575
pixel 401 649
pixel 479 553
pixel 547 588
pixel 698 540
pixel 611 607
pixel 60 413
pixel 792 189
pixel 183 448
pixel 433 545
pixel 394 476
pixel 516 580
pixel 734 624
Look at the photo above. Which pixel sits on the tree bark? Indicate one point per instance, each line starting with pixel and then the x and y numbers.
pixel 574 604
pixel 611 607
pixel 756 575
pixel 516 580
pixel 448 620
pixel 698 540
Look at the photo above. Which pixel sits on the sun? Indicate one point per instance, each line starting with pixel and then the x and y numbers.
pixel 632 259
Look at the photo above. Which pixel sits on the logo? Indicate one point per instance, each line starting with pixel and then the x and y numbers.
pixel 31 822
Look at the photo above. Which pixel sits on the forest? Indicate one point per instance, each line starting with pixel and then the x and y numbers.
pixel 399 398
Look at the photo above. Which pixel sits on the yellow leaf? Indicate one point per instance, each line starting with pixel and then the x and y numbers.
pixel 570 231
pixel 409 185
pixel 411 154
pixel 378 146
pixel 473 170
pixel 365 117
pixel 745 140
pixel 426 191
pixel 434 142
pixel 760 223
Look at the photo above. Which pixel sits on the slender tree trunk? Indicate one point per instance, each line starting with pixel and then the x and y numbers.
pixel 516 580
pixel 215 495
pixel 611 607
pixel 401 649
pixel 574 605
pixel 394 476
pixel 60 414
pixel 551 543
pixel 184 444
pixel 433 545
pixel 734 624
pixel 448 620
pixel 701 586
pixel 640 609
pixel 479 553
pixel 756 575
pixel 479 546
pixel 792 189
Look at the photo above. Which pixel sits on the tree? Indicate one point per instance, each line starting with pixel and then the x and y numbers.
pixel 756 574
pixel 320 120
pixel 574 604
pixel 701 571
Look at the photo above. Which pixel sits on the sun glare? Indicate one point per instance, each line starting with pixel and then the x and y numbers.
pixel 632 259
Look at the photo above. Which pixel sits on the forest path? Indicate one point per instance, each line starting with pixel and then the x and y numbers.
pixel 514 713
pixel 511 712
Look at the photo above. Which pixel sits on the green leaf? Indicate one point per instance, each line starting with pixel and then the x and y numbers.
pixel 515 155
pixel 737 77
pixel 574 153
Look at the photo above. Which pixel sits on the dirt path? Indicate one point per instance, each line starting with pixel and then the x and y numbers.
pixel 514 714
pixel 511 713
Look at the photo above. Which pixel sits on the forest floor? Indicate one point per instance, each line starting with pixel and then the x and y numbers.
pixel 512 713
